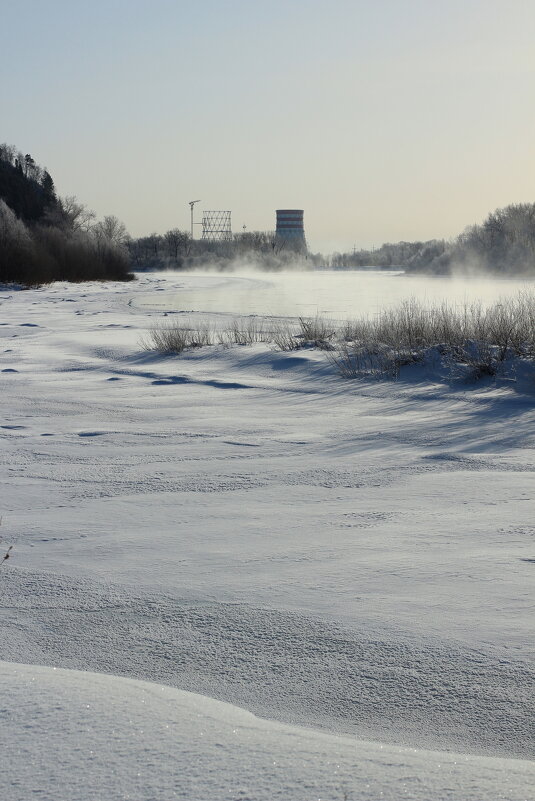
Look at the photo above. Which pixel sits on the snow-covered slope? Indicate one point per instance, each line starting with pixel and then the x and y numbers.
pixel 242 523
pixel 74 736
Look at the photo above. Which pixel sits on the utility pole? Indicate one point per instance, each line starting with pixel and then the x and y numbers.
pixel 191 205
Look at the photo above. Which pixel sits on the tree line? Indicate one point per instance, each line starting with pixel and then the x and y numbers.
pixel 390 255
pixel 46 238
pixel 177 250
pixel 503 244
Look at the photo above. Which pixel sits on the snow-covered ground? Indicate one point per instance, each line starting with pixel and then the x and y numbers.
pixel 85 736
pixel 349 556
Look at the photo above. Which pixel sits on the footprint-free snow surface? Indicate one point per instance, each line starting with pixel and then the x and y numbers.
pixel 85 736
pixel 354 558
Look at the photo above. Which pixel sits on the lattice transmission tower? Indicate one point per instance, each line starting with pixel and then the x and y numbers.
pixel 216 226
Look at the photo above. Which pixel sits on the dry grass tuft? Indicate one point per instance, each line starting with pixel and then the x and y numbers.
pixel 472 340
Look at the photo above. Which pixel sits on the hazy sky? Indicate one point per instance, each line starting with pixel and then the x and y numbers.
pixel 382 119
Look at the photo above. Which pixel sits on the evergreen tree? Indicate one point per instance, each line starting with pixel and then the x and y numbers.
pixel 48 187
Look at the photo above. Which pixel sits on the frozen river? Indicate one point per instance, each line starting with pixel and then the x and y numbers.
pixel 343 295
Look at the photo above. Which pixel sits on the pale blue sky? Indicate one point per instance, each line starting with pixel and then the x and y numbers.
pixel 382 119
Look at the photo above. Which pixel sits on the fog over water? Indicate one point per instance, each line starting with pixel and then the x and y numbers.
pixel 341 295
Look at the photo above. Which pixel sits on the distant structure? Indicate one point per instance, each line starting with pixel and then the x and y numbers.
pixel 191 205
pixel 290 232
pixel 216 226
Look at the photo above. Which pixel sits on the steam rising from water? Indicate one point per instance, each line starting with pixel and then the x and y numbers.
pixel 341 295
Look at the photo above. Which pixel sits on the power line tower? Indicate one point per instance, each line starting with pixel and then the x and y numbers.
pixel 216 226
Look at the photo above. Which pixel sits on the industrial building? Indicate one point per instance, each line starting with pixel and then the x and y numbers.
pixel 290 231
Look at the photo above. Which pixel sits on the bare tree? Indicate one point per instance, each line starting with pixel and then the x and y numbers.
pixel 71 215
pixel 8 153
pixel 12 230
pixel 178 243
pixel 111 230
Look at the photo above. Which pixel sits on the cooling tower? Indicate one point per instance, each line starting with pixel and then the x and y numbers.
pixel 290 230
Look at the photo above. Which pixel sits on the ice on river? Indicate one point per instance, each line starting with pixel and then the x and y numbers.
pixel 344 294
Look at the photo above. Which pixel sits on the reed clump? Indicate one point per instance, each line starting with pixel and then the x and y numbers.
pixel 471 338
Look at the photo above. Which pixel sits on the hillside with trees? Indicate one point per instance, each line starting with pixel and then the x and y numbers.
pixel 46 238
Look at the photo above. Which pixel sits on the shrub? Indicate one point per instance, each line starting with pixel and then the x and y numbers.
pixel 471 341
pixel 244 332
pixel 286 337
pixel 177 338
pixel 317 332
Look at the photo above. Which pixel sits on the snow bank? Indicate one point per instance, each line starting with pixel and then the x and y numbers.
pixel 74 736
